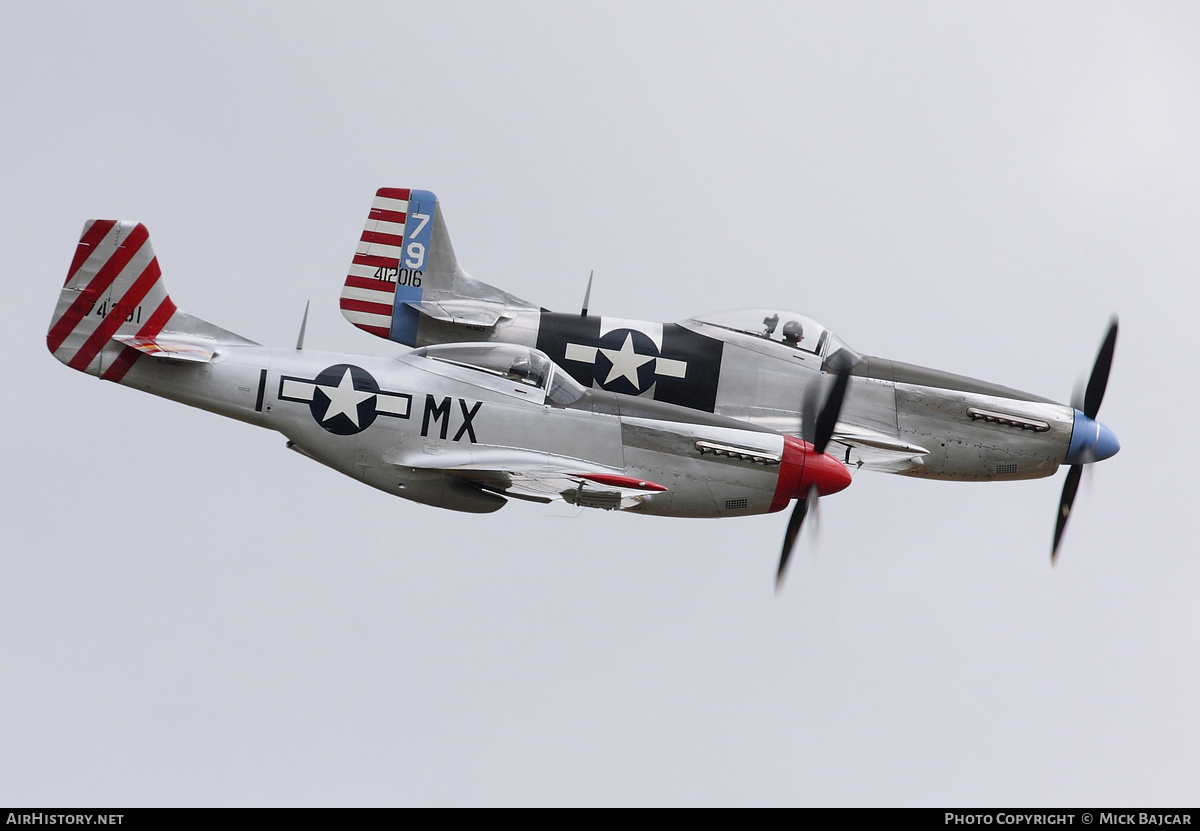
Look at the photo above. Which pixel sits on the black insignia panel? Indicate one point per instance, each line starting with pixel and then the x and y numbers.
pixel 626 360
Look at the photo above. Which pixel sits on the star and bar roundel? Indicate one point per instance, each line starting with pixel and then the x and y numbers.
pixel 344 399
pixel 664 361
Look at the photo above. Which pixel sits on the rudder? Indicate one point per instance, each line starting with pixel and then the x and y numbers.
pixel 404 252
pixel 114 287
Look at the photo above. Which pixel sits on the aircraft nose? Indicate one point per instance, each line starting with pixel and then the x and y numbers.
pixel 826 472
pixel 1106 444
pixel 1091 441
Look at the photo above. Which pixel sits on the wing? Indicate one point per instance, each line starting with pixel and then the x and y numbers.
pixel 531 475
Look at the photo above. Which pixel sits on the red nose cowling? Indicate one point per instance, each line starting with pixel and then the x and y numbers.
pixel 802 467
pixel 824 471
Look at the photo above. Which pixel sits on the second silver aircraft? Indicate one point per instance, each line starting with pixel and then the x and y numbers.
pixel 757 366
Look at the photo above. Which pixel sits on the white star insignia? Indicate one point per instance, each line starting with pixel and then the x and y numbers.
pixel 625 362
pixel 344 399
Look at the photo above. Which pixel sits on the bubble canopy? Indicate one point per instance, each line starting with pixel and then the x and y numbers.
pixel 788 330
pixel 512 362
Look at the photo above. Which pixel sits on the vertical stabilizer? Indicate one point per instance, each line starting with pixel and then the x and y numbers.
pixel 396 262
pixel 114 307
pixel 114 288
pixel 404 269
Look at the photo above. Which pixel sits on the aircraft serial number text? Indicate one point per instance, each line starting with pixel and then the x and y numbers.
pixel 131 313
pixel 400 276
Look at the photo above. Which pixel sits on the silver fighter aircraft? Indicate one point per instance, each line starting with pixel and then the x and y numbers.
pixel 459 426
pixel 405 284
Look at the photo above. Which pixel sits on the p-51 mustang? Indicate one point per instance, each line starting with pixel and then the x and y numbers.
pixel 459 426
pixel 756 366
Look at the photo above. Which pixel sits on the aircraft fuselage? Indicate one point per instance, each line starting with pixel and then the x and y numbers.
pixel 942 426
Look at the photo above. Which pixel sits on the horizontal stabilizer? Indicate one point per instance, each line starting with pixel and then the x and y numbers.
pixel 464 312
pixel 171 348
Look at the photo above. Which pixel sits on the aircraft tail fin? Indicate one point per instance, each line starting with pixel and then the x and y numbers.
pixel 394 263
pixel 114 306
pixel 405 267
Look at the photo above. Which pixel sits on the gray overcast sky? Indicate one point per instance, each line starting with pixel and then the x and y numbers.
pixel 194 616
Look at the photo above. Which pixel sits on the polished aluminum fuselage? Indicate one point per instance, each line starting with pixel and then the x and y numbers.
pixel 896 418
pixel 440 411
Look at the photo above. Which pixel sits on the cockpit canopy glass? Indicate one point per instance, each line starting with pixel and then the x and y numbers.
pixel 510 361
pixel 788 329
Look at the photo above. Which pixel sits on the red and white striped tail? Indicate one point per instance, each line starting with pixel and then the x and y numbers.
pixel 114 287
pixel 369 295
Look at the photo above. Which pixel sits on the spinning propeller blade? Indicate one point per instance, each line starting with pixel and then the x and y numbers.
pixel 1099 379
pixel 1092 397
pixel 793 531
pixel 829 413
pixel 817 430
pixel 1064 506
